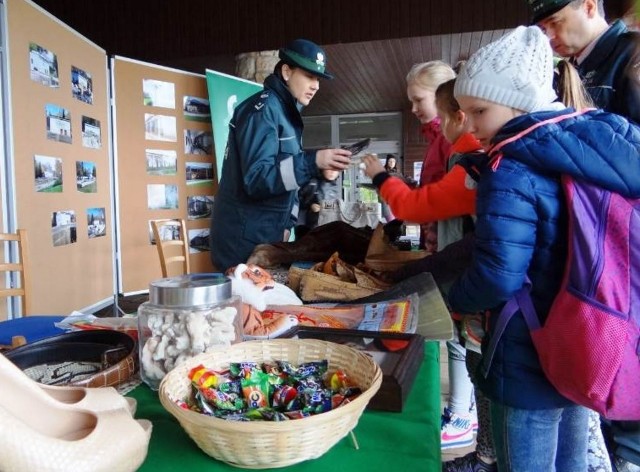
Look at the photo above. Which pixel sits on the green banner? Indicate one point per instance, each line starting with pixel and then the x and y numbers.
pixel 225 92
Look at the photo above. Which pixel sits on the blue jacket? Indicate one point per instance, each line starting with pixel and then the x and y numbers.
pixel 610 72
pixel 264 166
pixel 521 231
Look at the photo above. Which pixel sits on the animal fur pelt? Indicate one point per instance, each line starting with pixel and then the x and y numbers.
pixel 317 245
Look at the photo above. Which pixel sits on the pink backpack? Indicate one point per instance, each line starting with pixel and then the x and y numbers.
pixel 589 345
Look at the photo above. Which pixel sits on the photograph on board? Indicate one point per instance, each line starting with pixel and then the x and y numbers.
pixel 43 65
pixel 199 173
pixel 86 177
pixel 81 85
pixel 198 142
pixel 63 227
pixel 162 197
pixel 199 206
pixel 58 121
pixel 91 133
pixel 160 127
pixel 156 93
pixel 169 232
pixel 198 240
pixel 161 162
pixel 96 223
pixel 196 109
pixel 48 174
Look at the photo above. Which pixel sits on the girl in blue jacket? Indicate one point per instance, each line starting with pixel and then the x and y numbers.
pixel 264 163
pixel 505 88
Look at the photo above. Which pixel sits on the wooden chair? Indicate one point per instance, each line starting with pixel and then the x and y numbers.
pixel 172 243
pixel 17 277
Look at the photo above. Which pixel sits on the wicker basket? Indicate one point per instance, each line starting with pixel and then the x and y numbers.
pixel 263 444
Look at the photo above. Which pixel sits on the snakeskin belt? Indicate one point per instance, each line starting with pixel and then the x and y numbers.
pixel 99 358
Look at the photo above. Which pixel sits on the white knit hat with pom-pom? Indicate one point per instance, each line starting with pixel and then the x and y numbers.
pixel 515 71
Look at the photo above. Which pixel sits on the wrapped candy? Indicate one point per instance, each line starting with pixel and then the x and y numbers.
pixel 256 390
pixel 242 369
pixel 272 391
pixel 203 377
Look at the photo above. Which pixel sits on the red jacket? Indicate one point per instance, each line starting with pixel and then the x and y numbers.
pixel 451 196
pixel 434 165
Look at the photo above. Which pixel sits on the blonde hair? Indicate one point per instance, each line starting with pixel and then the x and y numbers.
pixel 430 74
pixel 569 87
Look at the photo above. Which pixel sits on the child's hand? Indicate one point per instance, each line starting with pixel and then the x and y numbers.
pixel 372 165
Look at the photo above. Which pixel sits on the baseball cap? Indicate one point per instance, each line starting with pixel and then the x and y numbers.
pixel 541 9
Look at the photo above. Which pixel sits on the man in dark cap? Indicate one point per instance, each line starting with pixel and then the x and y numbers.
pixel 606 56
pixel 264 164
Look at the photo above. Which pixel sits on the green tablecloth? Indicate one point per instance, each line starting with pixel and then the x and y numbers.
pixel 407 441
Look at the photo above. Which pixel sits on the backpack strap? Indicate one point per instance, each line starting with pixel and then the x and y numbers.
pixel 521 301
pixel 496 155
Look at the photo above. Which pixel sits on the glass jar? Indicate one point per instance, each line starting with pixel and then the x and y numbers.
pixel 185 316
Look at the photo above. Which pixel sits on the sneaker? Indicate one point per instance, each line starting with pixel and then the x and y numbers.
pixel 456 430
pixel 468 463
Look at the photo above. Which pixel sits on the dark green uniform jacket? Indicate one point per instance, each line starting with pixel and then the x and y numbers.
pixel 264 166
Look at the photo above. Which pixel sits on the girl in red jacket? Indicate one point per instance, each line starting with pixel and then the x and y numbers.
pixel 422 81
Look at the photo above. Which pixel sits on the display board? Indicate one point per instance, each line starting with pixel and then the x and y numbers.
pixel 164 164
pixel 58 156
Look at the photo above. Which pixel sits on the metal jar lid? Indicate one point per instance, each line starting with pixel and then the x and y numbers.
pixel 190 290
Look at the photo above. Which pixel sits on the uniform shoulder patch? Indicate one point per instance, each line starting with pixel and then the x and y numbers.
pixel 261 100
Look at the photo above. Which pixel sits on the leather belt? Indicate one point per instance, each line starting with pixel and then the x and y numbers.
pixel 114 352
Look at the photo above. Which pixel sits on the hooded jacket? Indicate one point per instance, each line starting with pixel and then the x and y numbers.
pixel 434 165
pixel 264 166
pixel 521 231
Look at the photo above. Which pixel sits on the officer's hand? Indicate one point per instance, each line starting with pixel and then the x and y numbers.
pixel 335 159
pixel 372 165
